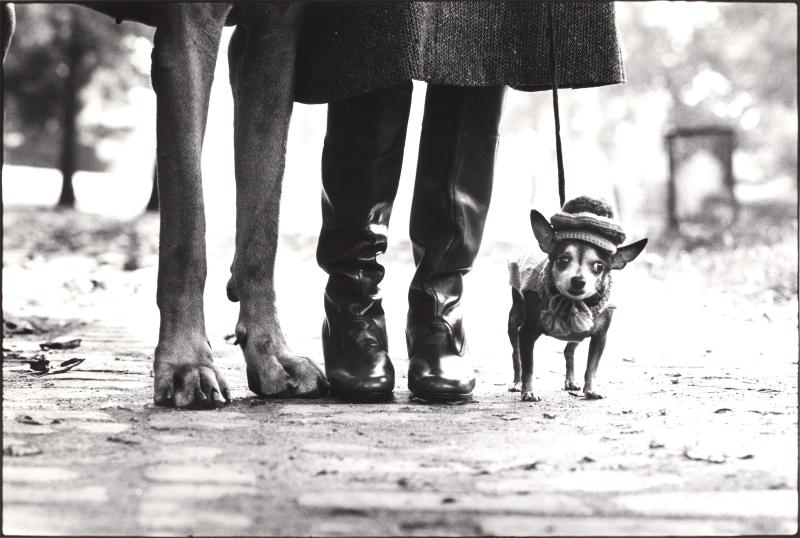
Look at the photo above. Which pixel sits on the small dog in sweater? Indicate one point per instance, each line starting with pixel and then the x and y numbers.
pixel 566 294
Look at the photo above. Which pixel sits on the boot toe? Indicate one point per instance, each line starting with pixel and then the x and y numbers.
pixel 352 387
pixel 441 379
pixel 362 384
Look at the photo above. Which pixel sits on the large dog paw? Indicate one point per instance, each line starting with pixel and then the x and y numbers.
pixel 308 379
pixel 515 387
pixel 286 376
pixel 273 372
pixel 188 380
pixel 569 384
pixel 530 397
pixel 592 395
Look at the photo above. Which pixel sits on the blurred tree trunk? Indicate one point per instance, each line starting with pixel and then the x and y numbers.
pixel 69 146
pixel 152 204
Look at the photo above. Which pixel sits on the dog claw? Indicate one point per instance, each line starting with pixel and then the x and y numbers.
pixel 570 385
pixel 195 385
pixel 530 397
pixel 287 376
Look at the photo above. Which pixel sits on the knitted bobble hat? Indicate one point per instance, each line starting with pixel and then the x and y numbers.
pixel 588 219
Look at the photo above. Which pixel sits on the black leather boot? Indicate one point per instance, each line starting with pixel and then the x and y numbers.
pixel 361 165
pixel 448 212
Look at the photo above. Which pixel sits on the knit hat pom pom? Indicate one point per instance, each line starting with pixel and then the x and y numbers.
pixel 586 204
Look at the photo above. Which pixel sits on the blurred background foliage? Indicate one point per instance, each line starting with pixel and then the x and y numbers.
pixel 687 64
pixel 65 60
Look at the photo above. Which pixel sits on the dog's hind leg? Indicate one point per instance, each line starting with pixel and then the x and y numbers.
pixel 516 316
pixel 261 57
pixel 528 334
pixel 184 54
pixel 569 357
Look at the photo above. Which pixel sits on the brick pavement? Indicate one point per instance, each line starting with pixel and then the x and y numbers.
pixel 688 441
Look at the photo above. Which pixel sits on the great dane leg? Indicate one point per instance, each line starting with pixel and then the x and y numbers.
pixel 184 55
pixel 261 57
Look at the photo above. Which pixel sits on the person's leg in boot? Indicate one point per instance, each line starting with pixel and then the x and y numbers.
pixel 452 191
pixel 361 164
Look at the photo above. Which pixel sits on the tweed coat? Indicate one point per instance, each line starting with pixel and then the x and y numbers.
pixel 349 48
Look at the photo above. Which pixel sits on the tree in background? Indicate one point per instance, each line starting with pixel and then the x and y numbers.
pixel 57 51
pixel 732 64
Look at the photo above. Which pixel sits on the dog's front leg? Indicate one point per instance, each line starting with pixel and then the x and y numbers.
pixel 569 359
pixel 184 55
pixel 261 58
pixel 596 346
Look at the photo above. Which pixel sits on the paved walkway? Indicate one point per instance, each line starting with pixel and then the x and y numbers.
pixel 697 435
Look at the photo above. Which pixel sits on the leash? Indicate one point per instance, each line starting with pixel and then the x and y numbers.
pixel 554 73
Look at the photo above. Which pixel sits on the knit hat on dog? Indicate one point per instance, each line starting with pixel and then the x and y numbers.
pixel 588 219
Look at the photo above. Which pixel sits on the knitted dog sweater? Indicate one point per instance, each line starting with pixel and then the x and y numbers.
pixel 561 317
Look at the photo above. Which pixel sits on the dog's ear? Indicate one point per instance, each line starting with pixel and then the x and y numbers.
pixel 542 230
pixel 627 254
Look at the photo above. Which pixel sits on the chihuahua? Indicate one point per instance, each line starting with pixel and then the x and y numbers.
pixel 566 294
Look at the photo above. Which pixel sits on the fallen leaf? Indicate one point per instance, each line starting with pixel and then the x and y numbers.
pixel 22 449
pixel 13 326
pixel 27 419
pixel 39 363
pixel 122 440
pixel 69 344
pixel 65 366
pixel 695 454
pixel 548 415
pixel 723 410
pixel 587 459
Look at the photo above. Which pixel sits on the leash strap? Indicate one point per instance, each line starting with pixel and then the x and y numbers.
pixel 554 72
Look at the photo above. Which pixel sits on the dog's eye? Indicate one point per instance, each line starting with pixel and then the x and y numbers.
pixel 562 261
pixel 598 267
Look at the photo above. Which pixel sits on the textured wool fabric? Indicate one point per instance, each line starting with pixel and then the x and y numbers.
pixel 349 48
pixel 563 318
pixel 588 237
pixel 586 226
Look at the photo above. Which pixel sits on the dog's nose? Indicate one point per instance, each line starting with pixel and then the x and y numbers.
pixel 577 282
